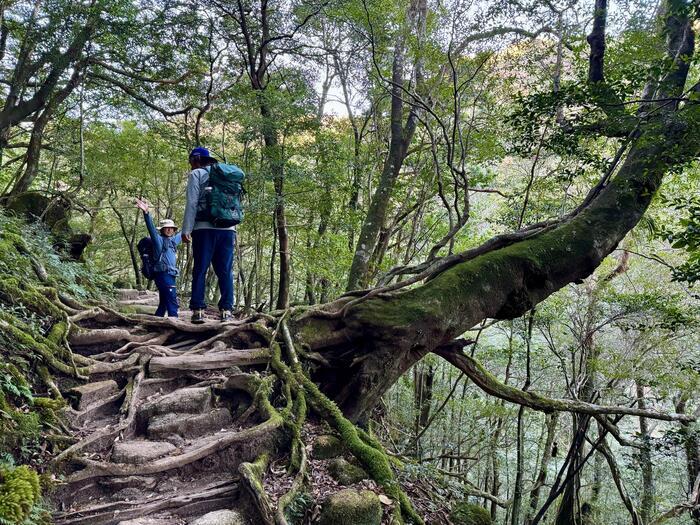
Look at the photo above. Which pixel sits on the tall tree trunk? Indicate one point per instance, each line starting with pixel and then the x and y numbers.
pixel 516 506
pixel 258 42
pixel 597 485
pixel 691 444
pixel 376 215
pixel 646 510
pixel 570 505
pixel 401 137
pixel 541 479
pixel 35 141
pixel 423 377
pixel 274 155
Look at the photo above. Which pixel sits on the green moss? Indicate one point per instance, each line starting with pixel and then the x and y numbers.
pixel 48 403
pixel 262 399
pixel 257 469
pixel 503 283
pixel 19 492
pixel 465 513
pixel 374 460
pixel 345 472
pixel 58 333
pixel 300 410
pixel 16 292
pixel 352 507
pixel 253 474
pixel 32 205
pixel 34 343
pixel 327 447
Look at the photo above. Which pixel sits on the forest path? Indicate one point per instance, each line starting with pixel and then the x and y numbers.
pixel 166 419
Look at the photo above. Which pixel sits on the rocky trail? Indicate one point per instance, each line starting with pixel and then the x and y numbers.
pixel 176 423
pixel 163 421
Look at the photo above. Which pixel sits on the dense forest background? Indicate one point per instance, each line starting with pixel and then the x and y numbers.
pixel 377 137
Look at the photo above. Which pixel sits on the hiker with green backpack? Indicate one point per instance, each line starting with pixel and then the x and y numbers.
pixel 213 210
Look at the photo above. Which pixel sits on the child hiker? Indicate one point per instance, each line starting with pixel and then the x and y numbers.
pixel 165 241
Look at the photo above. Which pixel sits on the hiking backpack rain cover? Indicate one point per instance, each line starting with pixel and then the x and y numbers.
pixel 224 208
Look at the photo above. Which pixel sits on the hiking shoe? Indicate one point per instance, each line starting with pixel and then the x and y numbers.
pixel 226 315
pixel 197 316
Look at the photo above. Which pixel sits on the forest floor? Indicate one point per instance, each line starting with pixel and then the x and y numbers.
pixel 167 426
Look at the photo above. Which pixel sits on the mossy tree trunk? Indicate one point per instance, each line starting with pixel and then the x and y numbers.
pixel 389 333
pixel 370 342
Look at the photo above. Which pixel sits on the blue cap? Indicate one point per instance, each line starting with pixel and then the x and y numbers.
pixel 199 151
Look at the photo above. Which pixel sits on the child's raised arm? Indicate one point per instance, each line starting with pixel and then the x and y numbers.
pixel 155 235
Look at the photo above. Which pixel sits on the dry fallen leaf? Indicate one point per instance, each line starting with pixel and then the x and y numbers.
pixel 385 499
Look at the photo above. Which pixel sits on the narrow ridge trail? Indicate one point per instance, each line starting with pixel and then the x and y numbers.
pixel 170 412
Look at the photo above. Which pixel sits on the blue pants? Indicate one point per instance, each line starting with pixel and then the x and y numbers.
pixel 213 247
pixel 167 294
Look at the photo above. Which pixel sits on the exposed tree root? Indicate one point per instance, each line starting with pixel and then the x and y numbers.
pixel 210 361
pixel 212 496
pixel 251 477
pixel 199 451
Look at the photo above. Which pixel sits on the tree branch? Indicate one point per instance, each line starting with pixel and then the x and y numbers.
pixel 491 385
pixel 136 96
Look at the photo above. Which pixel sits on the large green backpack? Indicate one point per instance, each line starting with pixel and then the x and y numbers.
pixel 224 208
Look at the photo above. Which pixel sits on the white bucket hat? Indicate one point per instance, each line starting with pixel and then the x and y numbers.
pixel 166 223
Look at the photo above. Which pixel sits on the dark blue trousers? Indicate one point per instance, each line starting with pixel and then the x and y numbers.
pixel 167 293
pixel 213 247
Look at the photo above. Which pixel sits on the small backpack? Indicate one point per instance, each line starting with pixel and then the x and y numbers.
pixel 224 208
pixel 148 257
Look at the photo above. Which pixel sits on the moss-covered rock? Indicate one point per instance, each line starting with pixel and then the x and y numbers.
pixel 55 214
pixel 19 492
pixel 327 447
pixel 352 507
pixel 465 513
pixel 33 205
pixel 345 472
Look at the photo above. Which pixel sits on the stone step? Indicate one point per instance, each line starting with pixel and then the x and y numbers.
pixel 220 517
pixel 140 451
pixel 184 400
pixel 188 425
pixel 84 395
pixel 150 521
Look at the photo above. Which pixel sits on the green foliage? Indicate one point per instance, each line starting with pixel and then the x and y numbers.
pixel 685 235
pixel 19 493
pixel 298 507
pixel 13 383
pixel 33 329
pixel 647 310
